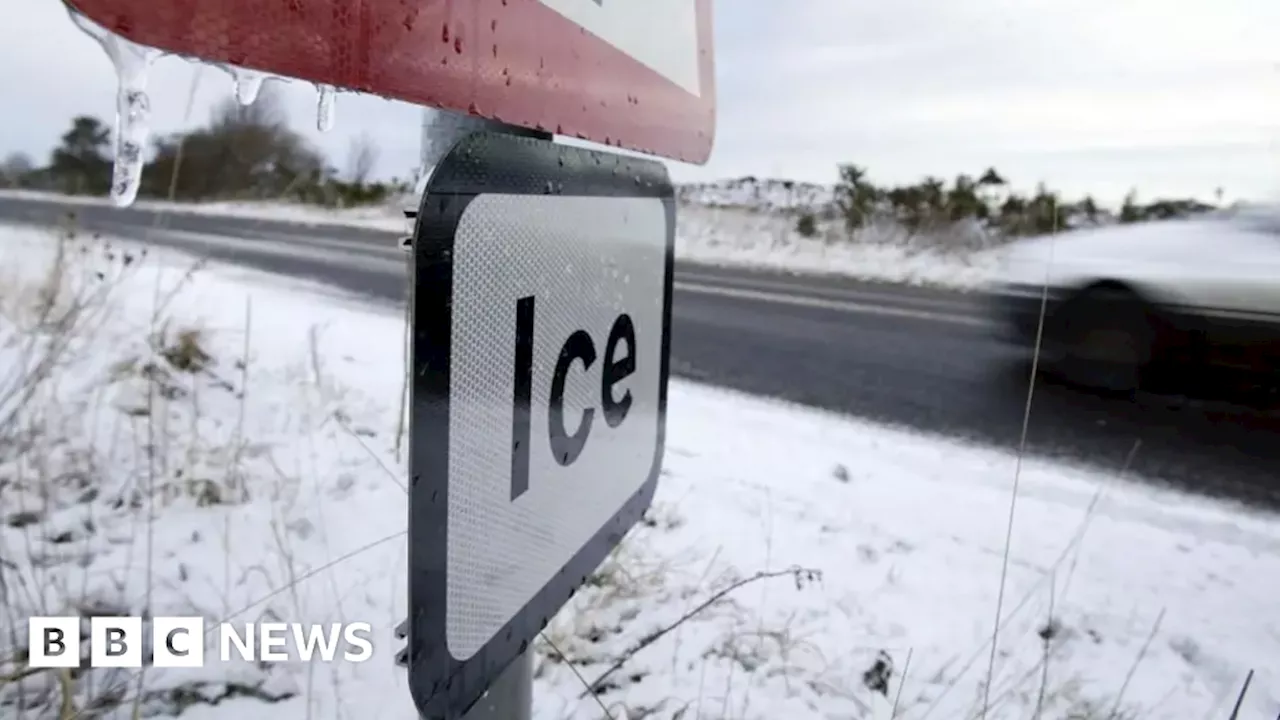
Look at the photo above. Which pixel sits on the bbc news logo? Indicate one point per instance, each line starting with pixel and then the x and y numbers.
pixel 54 642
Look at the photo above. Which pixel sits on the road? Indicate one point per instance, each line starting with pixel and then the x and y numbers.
pixel 912 357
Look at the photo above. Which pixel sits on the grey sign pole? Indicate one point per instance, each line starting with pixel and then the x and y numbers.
pixel 510 697
pixel 442 128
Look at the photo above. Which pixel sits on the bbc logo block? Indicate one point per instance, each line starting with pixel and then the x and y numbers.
pixel 55 642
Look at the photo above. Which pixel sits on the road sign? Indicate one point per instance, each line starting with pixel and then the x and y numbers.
pixel 633 73
pixel 541 325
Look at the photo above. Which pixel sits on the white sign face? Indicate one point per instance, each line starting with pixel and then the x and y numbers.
pixel 660 34
pixel 581 280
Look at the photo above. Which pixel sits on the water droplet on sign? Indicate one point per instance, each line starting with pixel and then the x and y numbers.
pixel 324 108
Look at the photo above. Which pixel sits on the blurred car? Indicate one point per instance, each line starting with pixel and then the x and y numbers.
pixel 1124 304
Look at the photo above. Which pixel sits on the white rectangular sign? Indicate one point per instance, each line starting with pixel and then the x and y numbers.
pixel 592 303
pixel 660 34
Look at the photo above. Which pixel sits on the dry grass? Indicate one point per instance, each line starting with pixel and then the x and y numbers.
pixel 88 463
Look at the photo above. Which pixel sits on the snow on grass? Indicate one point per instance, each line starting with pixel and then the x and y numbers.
pixel 746 238
pixel 845 568
pixel 743 236
pixel 759 193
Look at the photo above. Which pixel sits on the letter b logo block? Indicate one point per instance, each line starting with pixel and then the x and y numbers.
pixel 115 642
pixel 53 642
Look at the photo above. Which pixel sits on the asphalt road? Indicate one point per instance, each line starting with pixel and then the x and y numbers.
pixel 919 358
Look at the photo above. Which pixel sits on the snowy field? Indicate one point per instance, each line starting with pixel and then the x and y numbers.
pixel 753 234
pixel 219 441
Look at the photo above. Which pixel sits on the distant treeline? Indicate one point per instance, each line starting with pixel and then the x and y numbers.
pixel 242 153
pixel 986 198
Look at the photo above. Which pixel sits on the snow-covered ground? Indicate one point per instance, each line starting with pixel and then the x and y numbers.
pixel 254 421
pixel 759 193
pixel 714 229
pixel 750 238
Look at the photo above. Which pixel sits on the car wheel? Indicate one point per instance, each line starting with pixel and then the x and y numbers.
pixel 1103 338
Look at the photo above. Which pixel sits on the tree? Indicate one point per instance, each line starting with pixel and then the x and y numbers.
pixel 1045 212
pixel 909 206
pixel 807 224
pixel 855 197
pixel 81 162
pixel 1013 215
pixel 932 196
pixel 244 152
pixel 1089 208
pixel 963 200
pixel 362 157
pixel 15 169
pixel 1130 212
pixel 991 178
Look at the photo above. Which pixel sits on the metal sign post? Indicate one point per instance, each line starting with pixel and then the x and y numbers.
pixel 510 696
pixel 541 326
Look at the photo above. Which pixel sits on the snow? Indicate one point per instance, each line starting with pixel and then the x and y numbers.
pixel 722 235
pixel 761 194
pixel 275 461
pixel 739 237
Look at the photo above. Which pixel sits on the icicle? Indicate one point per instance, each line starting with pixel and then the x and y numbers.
pixel 133 107
pixel 133 113
pixel 324 108
pixel 248 84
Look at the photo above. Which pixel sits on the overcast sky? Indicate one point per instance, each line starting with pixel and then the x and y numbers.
pixel 1090 96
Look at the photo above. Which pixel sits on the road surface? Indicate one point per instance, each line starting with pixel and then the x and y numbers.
pixel 919 358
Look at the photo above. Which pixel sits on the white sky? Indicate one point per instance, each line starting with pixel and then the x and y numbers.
pixel 1171 96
